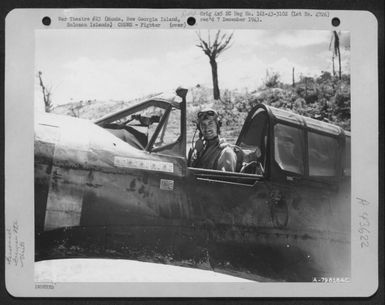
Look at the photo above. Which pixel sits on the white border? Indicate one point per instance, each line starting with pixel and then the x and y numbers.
pixel 19 171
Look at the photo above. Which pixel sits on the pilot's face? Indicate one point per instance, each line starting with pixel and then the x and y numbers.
pixel 209 129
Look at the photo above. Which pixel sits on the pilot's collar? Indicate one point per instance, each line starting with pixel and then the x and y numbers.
pixel 213 141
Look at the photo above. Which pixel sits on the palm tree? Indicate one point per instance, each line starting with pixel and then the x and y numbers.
pixel 212 50
pixel 335 41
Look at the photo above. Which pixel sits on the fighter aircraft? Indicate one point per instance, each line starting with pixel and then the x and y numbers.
pixel 121 187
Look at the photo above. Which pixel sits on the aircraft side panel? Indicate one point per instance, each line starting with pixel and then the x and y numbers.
pixel 65 198
pixel 274 229
pixel 95 194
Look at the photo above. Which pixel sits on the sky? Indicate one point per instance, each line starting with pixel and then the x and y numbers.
pixel 126 64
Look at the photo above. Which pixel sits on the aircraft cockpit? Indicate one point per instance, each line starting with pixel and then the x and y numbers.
pixel 273 142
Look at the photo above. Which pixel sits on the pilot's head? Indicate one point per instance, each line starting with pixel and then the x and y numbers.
pixel 208 123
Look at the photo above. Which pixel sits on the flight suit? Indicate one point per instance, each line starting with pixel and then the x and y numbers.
pixel 216 154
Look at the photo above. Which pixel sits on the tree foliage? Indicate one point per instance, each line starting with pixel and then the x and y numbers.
pixel 324 97
pixel 271 79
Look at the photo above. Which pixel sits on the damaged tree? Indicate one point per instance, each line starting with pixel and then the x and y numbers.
pixel 46 94
pixel 335 41
pixel 212 50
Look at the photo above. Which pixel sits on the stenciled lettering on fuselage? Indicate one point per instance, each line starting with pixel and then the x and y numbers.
pixel 167 185
pixel 151 165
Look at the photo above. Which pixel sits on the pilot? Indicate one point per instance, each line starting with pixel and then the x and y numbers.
pixel 210 151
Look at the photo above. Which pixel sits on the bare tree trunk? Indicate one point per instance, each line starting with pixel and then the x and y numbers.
pixel 214 70
pixel 293 78
pixel 212 50
pixel 334 70
pixel 306 87
pixel 46 95
pixel 337 52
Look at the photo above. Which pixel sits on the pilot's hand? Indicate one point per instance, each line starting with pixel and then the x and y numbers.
pixel 191 157
pixel 253 156
pixel 258 152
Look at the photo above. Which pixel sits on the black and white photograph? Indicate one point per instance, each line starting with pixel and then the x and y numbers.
pixel 221 150
pixel 166 152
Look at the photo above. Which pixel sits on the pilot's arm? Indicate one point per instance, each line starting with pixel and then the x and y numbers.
pixel 227 160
